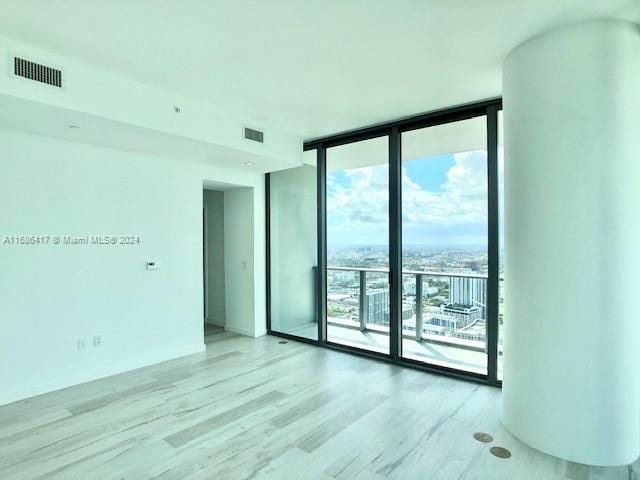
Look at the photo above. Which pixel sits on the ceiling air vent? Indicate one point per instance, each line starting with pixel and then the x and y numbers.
pixel 253 135
pixel 35 71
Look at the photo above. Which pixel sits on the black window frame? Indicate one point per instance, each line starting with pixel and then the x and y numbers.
pixel 394 130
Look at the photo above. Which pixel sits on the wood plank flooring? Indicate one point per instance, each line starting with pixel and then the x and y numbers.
pixel 257 409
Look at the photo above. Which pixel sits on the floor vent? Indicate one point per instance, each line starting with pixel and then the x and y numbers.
pixel 500 452
pixel 483 437
pixel 253 135
pixel 37 72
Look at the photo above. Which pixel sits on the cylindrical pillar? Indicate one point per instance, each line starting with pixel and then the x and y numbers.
pixel 571 383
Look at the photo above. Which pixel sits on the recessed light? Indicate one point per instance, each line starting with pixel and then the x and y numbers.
pixel 249 164
pixel 74 126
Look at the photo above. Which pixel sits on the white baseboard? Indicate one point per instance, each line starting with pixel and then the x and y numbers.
pixel 218 322
pixel 239 330
pixel 95 374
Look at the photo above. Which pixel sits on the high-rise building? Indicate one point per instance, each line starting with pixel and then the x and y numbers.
pixel 455 316
pixel 377 304
pixel 469 291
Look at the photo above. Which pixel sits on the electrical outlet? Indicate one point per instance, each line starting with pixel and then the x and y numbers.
pixel 97 341
pixel 81 343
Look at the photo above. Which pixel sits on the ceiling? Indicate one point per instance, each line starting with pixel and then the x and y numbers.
pixel 461 136
pixel 311 67
pixel 41 119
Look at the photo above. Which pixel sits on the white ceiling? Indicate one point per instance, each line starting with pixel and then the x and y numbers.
pixel 42 119
pixel 463 136
pixel 312 67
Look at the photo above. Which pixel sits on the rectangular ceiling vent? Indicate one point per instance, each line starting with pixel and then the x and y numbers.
pixel 253 135
pixel 37 72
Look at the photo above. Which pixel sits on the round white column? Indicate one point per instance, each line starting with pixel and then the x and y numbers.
pixel 572 241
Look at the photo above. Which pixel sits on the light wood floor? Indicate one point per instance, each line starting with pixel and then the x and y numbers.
pixel 255 408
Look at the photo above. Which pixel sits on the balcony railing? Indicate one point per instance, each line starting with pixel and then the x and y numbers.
pixel 428 331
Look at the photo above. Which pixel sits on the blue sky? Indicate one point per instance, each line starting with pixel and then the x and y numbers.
pixel 444 203
pixel 429 173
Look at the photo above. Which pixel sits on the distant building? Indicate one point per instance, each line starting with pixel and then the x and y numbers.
pixel 377 304
pixel 409 288
pixel 455 316
pixel 469 291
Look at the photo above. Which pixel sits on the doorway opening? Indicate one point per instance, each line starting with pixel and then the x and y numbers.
pixel 229 251
pixel 213 263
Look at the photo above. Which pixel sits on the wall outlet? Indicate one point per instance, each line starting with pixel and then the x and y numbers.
pixel 81 343
pixel 97 341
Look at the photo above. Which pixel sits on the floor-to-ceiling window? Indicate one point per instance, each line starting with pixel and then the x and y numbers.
pixel 406 258
pixel 444 244
pixel 357 219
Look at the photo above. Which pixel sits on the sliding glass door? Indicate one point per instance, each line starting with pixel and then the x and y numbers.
pixel 392 245
pixel 357 220
pixel 444 245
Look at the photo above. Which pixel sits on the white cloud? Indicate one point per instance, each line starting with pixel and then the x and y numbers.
pixel 365 200
pixel 462 199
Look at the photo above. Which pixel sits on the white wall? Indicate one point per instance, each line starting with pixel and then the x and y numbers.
pixel 572 178
pixel 101 93
pixel 239 236
pixel 53 294
pixel 214 208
